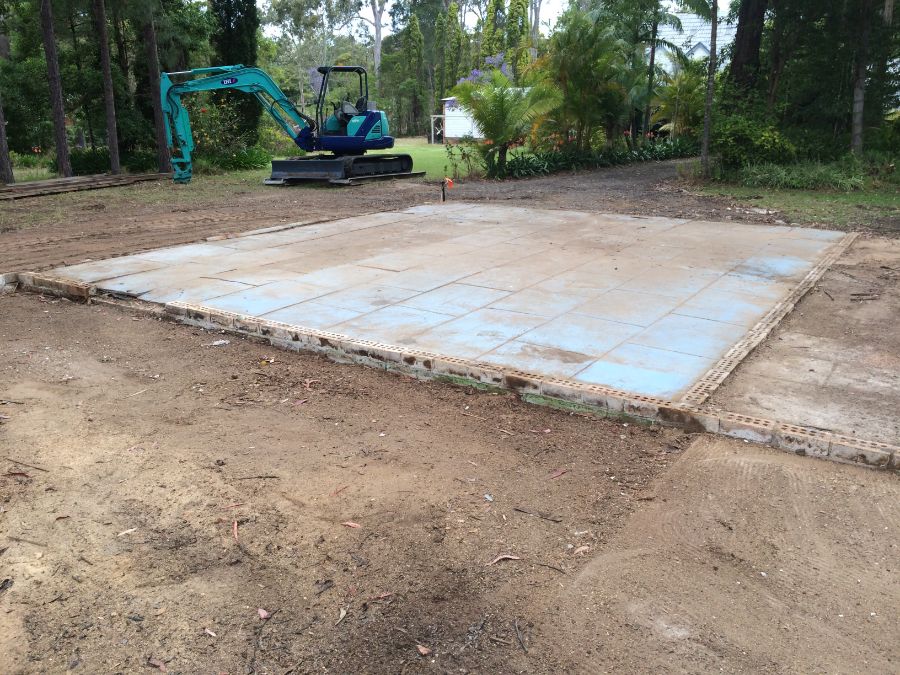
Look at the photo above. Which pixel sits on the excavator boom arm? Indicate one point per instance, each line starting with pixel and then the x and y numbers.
pixel 301 128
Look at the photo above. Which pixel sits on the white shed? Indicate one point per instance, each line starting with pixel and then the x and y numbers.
pixel 458 123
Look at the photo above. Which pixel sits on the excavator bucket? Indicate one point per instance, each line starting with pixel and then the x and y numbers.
pixel 339 170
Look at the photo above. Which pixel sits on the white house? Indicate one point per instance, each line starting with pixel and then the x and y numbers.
pixel 457 123
pixel 694 39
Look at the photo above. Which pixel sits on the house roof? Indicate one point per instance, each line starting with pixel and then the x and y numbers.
pixel 696 32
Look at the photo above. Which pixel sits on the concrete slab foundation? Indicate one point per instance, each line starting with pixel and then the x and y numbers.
pixel 634 316
pixel 646 305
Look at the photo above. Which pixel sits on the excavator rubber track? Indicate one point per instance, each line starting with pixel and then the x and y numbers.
pixel 341 169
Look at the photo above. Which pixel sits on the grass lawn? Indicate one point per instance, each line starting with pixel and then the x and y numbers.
pixel 877 207
pixel 426 157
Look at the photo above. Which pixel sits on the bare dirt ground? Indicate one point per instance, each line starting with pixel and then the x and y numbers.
pixel 177 489
pixel 120 552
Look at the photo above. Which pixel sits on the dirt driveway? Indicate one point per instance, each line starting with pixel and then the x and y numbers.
pixel 177 489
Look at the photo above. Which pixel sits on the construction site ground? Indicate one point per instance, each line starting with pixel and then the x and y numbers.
pixel 179 492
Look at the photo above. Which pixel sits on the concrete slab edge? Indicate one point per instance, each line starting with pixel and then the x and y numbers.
pixel 266 230
pixel 559 393
pixel 8 282
pixel 716 375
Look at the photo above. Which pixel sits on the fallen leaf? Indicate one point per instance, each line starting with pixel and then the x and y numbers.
pixel 343 614
pixel 558 473
pixel 350 523
pixel 234 529
pixel 423 650
pixel 124 532
pixel 209 632
pixel 383 596
pixel 301 401
pixel 263 614
pixel 581 550
pixel 61 517
pixel 539 431
pixel 156 663
pixel 503 557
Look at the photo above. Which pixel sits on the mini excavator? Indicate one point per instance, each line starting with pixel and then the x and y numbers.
pixel 348 132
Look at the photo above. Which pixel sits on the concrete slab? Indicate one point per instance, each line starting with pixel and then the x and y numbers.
pixel 643 305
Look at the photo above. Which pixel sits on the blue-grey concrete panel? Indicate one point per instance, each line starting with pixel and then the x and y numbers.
pixel 264 299
pixel 391 325
pixel 582 334
pixel 197 291
pixel 737 308
pixel 538 359
pixel 477 333
pixel 639 309
pixel 653 372
pixel 689 335
pixel 312 314
pixel 455 299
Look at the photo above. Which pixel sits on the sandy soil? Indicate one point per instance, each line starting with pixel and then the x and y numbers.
pixel 147 447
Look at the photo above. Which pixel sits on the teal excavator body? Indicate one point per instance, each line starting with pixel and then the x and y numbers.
pixel 347 133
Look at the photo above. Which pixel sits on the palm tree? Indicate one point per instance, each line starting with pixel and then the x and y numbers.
pixel 680 100
pixel 587 61
pixel 504 114
pixel 659 17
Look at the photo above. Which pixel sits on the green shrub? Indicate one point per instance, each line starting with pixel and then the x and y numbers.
pixel 240 160
pixel 88 161
pixel 31 160
pixel 524 164
pixel 843 176
pixel 740 141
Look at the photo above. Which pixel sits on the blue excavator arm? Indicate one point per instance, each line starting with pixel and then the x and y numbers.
pixel 301 128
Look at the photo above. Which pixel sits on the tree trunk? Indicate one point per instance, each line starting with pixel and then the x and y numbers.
pixel 653 31
pixel 745 59
pixel 85 100
pixel 159 122
pixel 501 161
pixel 378 15
pixel 859 77
pixel 535 7
pixel 6 169
pixel 710 89
pixel 112 133
pixel 64 166
pixel 121 46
